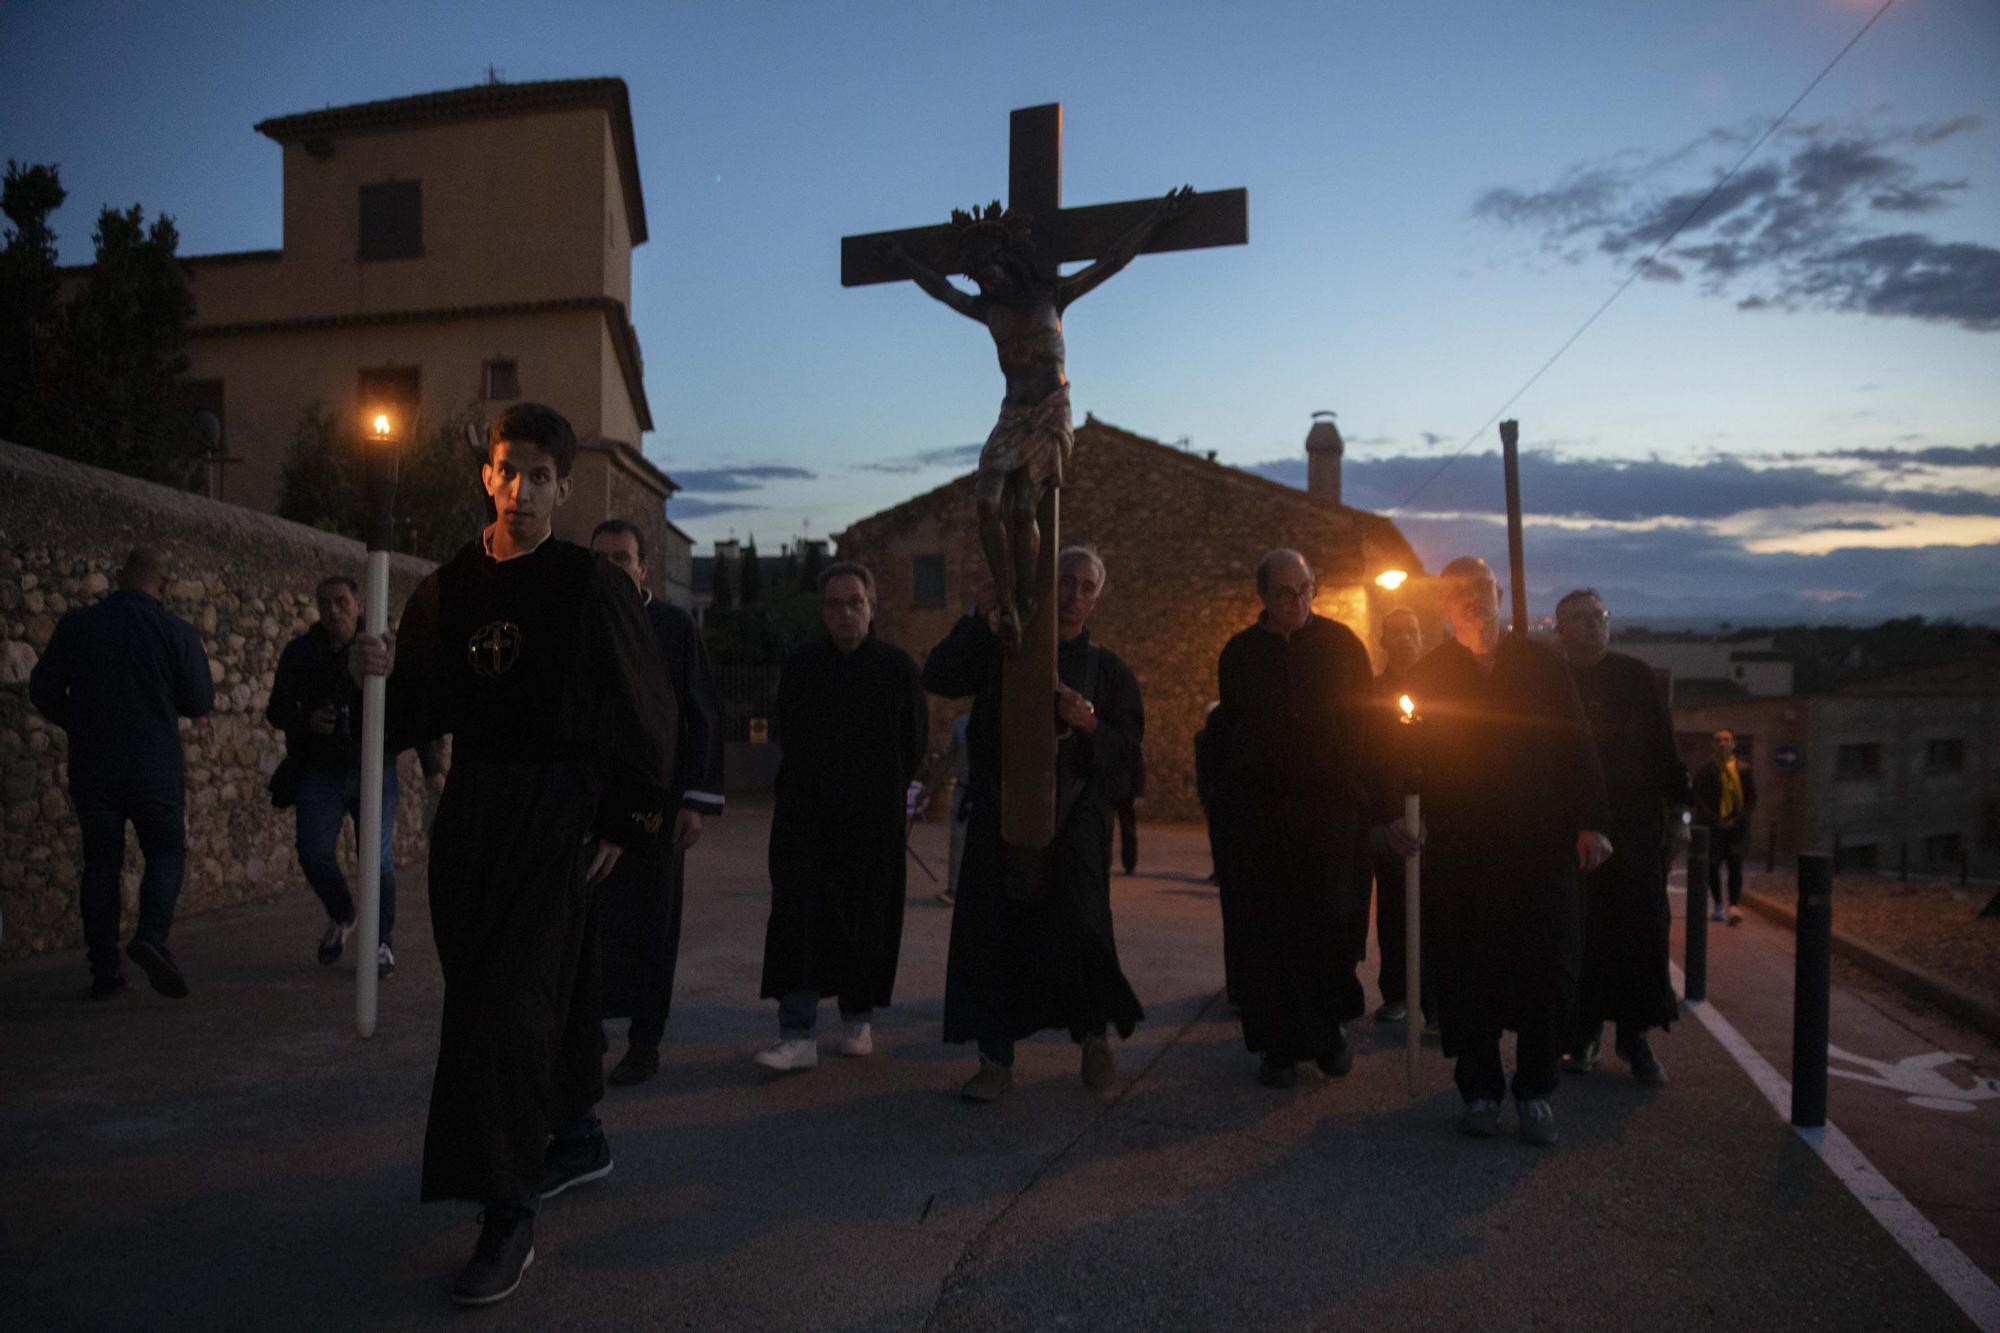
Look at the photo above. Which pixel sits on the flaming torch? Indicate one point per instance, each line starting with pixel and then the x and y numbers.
pixel 1412 864
pixel 380 452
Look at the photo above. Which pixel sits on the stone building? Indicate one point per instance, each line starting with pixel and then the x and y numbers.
pixel 446 251
pixel 1181 536
pixel 1901 771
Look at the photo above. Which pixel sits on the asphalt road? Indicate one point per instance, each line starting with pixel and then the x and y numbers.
pixel 240 1159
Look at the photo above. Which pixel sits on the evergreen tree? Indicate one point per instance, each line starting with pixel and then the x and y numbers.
pixel 28 286
pixel 751 587
pixel 440 504
pixel 722 594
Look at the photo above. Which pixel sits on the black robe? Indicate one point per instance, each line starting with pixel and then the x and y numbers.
pixel 854 728
pixel 1298 763
pixel 544 672
pixel 1509 779
pixel 1019 966
pixel 1626 921
pixel 640 904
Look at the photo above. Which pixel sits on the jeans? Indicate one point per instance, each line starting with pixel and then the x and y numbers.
pixel 798 1014
pixel 1725 850
pixel 157 813
pixel 326 797
pixel 1480 1075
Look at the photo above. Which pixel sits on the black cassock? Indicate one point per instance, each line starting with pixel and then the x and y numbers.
pixel 1298 761
pixel 853 726
pixel 1626 921
pixel 1509 779
pixel 544 672
pixel 640 904
pixel 1024 962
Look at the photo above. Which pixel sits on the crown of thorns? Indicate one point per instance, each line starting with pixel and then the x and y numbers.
pixel 1002 225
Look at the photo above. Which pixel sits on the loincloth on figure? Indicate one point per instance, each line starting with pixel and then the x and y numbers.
pixel 1036 440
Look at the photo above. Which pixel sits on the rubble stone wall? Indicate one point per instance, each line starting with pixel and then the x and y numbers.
pixel 245 580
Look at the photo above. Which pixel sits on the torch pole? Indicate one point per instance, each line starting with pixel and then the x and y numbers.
pixel 1510 452
pixel 1413 984
pixel 374 699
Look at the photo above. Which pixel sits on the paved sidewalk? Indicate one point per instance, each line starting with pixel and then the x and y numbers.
pixel 240 1160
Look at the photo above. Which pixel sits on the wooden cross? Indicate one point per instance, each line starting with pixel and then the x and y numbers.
pixel 1061 235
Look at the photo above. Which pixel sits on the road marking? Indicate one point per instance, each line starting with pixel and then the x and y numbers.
pixel 1918 1078
pixel 1973 1291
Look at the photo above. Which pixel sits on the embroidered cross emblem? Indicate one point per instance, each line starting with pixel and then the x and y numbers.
pixel 493 649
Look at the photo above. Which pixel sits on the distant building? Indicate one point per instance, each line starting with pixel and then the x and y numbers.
pixel 1906 766
pixel 1709 670
pixel 1180 535
pixel 450 250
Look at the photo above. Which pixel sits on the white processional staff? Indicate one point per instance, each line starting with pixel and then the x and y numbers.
pixel 379 445
pixel 1412 951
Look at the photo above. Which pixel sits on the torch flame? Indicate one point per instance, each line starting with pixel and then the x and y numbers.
pixel 1391 579
pixel 1408 705
pixel 382 424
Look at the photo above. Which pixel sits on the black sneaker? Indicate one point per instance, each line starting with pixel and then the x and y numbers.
pixel 1276 1073
pixel 1646 1067
pixel 570 1162
pixel 103 988
pixel 640 1063
pixel 1335 1063
pixel 334 941
pixel 506 1248
pixel 159 967
pixel 1391 1011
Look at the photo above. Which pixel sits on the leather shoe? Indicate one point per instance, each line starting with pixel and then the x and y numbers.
pixel 159 968
pixel 993 1081
pixel 1480 1119
pixel 638 1064
pixel 1336 1062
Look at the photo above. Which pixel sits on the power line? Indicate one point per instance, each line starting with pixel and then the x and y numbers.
pixel 1644 263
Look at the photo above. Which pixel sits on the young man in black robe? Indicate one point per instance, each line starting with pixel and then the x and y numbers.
pixel 1402 643
pixel 1295 687
pixel 1626 921
pixel 854 725
pixel 640 908
pixel 1513 808
pixel 1031 941
pixel 535 656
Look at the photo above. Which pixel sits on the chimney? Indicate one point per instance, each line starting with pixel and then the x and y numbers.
pixel 1323 450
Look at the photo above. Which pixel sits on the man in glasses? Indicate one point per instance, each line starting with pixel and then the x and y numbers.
pixel 854 724
pixel 1295 689
pixel 1625 917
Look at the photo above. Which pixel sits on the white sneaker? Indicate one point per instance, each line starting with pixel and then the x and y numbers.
pixel 860 1038
pixel 385 961
pixel 790 1053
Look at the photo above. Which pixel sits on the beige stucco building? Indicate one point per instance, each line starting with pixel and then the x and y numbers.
pixel 446 251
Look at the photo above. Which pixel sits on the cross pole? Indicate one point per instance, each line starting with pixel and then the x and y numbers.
pixel 1060 235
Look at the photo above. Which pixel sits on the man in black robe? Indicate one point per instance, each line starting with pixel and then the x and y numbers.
pixel 1513 806
pixel 1031 939
pixel 1211 787
pixel 1295 688
pixel 1402 643
pixel 854 725
pixel 535 656
pixel 1626 921
pixel 640 908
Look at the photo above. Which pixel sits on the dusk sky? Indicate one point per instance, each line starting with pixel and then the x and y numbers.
pixel 1797 411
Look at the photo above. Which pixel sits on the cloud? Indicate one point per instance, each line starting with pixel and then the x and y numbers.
pixel 731 479
pixel 679 508
pixel 1801 230
pixel 954 456
pixel 1971 455
pixel 1433 439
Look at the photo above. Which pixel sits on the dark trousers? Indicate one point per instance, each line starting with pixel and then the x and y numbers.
pixel 1725 848
pixel 327 796
pixel 653 999
pixel 157 813
pixel 1128 837
pixel 1480 1075
pixel 1389 943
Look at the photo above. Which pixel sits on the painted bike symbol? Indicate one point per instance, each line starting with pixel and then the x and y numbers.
pixel 1918 1078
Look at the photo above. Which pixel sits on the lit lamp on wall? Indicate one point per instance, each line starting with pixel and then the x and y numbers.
pixel 1413 820
pixel 1391 579
pixel 379 449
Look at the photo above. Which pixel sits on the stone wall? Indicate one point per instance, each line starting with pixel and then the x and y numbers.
pixel 245 580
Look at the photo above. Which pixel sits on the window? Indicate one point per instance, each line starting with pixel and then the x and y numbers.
pixel 399 387
pixel 927 580
pixel 1944 756
pixel 392 220
pixel 500 378
pixel 1943 850
pixel 1858 763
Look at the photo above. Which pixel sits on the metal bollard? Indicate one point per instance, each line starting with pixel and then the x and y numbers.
pixel 1812 978
pixel 1694 988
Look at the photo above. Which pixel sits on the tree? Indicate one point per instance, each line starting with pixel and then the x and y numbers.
pixel 28 285
pixel 722 592
pixel 439 501
pixel 750 590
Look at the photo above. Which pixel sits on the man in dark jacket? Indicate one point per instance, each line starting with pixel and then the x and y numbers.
pixel 640 914
pixel 1626 920
pixel 1725 796
pixel 318 706
pixel 118 677
pixel 1295 689
pixel 1031 938
pixel 854 725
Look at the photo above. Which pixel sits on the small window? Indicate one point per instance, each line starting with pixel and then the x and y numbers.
pixel 1944 756
pixel 500 378
pixel 400 387
pixel 927 580
pixel 1858 763
pixel 392 220
pixel 1943 850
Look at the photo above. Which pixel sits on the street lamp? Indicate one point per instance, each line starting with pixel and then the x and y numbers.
pixel 379 463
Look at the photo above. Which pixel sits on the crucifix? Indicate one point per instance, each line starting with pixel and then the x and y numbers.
pixel 1014 257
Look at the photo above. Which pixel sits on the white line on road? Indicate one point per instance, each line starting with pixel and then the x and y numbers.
pixel 1974 1292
